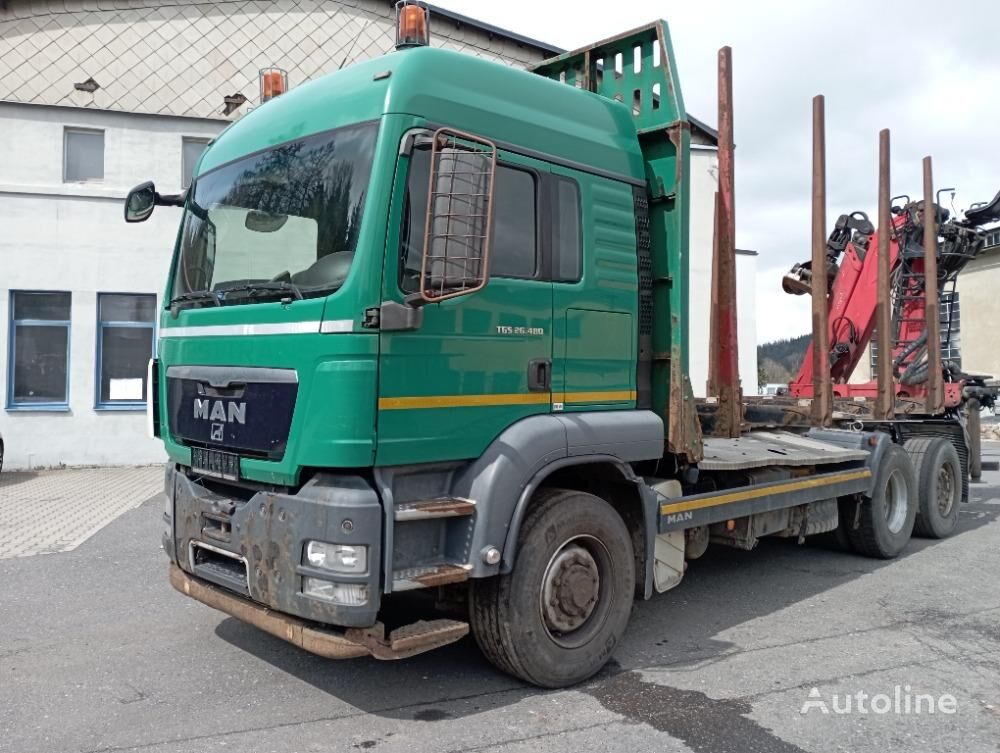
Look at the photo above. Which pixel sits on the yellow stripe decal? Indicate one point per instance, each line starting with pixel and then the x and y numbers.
pixel 742 496
pixel 462 401
pixel 517 398
pixel 607 396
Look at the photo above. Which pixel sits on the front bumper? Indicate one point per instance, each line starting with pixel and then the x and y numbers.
pixel 254 548
pixel 328 643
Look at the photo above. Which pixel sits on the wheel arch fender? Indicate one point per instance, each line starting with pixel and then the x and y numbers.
pixel 646 496
pixel 504 478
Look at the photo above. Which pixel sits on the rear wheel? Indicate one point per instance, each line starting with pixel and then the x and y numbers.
pixel 939 480
pixel 885 522
pixel 555 619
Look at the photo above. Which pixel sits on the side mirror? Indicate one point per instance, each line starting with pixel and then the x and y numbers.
pixel 140 202
pixel 459 216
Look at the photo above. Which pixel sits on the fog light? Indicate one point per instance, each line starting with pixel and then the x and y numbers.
pixel 339 558
pixel 346 594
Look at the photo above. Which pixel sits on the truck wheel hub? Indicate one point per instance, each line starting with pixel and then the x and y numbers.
pixel 570 589
pixel 946 490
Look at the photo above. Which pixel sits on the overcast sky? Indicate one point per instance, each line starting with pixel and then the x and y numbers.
pixel 929 71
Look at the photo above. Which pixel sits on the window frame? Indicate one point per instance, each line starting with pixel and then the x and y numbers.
pixel 67 130
pixel 204 141
pixel 12 324
pixel 100 324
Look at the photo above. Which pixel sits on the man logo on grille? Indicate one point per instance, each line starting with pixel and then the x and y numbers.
pixel 208 410
pixel 218 432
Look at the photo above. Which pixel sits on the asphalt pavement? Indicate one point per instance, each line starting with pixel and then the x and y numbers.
pixel 98 653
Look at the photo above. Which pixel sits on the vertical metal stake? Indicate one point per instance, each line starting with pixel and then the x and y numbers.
pixel 712 387
pixel 975 440
pixel 935 379
pixel 885 399
pixel 822 403
pixel 725 341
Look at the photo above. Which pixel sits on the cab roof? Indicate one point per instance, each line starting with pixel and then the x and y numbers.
pixel 505 104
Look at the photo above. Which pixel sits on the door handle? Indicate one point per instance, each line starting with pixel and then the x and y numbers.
pixel 540 374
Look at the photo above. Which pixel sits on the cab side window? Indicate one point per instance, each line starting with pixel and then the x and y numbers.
pixel 411 237
pixel 514 251
pixel 514 244
pixel 567 244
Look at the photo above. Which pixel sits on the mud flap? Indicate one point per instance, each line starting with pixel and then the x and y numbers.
pixel 668 560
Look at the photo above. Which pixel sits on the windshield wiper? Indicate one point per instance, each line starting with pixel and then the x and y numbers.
pixel 196 295
pixel 253 289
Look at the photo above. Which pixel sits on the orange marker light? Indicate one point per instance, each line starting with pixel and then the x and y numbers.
pixel 412 24
pixel 273 83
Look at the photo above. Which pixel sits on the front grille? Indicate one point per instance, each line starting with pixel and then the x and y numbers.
pixel 245 411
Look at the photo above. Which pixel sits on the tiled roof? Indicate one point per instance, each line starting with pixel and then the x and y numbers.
pixel 181 57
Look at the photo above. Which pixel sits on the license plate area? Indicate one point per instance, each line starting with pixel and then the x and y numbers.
pixel 219 566
pixel 216 463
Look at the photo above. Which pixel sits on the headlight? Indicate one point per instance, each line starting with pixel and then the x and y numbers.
pixel 346 594
pixel 338 558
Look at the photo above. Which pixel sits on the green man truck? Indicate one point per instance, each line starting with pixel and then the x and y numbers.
pixel 425 332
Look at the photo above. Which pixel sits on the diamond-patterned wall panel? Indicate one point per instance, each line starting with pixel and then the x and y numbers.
pixel 181 57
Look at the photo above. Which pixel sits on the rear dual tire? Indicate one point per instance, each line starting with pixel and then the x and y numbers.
pixel 885 520
pixel 939 479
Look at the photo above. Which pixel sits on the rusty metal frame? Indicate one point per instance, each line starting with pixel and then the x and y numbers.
pixel 932 310
pixel 723 369
pixel 822 400
pixel 442 137
pixel 885 397
pixel 329 643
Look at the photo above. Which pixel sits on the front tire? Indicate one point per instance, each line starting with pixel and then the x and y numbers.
pixel 885 522
pixel 939 478
pixel 556 618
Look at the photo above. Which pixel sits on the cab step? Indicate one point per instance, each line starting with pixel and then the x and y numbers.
pixel 408 640
pixel 429 576
pixel 441 507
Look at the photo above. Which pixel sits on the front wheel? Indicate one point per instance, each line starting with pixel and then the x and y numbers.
pixel 555 619
pixel 885 522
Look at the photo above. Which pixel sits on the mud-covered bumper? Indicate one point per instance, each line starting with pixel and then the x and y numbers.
pixel 329 643
pixel 255 548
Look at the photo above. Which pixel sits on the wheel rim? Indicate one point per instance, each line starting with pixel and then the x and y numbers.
pixel 576 590
pixel 896 502
pixel 945 490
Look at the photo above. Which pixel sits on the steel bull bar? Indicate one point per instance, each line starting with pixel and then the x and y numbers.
pixel 330 643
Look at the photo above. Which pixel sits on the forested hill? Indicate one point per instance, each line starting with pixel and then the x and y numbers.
pixel 779 361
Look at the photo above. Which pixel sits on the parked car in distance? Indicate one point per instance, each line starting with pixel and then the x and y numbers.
pixel 774 390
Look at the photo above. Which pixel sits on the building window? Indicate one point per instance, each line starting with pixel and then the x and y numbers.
pixel 566 228
pixel 38 358
pixel 83 155
pixel 191 149
pixel 125 343
pixel 992 239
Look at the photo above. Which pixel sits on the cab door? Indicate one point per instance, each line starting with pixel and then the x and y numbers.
pixel 594 292
pixel 475 363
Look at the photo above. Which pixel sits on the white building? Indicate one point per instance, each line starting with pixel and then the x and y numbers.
pixel 96 97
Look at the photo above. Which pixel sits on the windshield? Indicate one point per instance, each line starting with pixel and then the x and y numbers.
pixel 281 222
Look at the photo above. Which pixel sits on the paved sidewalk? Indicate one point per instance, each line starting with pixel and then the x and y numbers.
pixel 56 511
